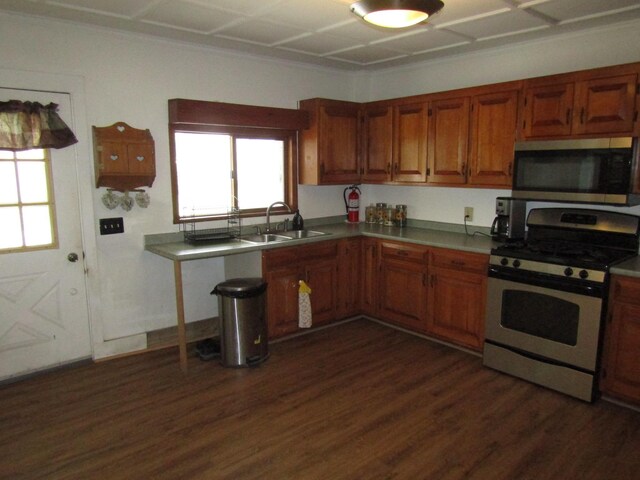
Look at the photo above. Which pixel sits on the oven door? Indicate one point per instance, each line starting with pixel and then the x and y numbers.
pixel 547 322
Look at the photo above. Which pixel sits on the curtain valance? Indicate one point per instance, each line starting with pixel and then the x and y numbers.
pixel 27 125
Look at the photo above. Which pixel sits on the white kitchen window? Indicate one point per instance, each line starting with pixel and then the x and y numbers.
pixel 230 157
pixel 217 172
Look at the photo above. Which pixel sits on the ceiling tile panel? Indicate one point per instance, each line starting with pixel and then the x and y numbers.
pixel 460 10
pixel 195 18
pixel 243 7
pixel 126 8
pixel 258 31
pixel 318 44
pixel 571 9
pixel 499 25
pixel 317 15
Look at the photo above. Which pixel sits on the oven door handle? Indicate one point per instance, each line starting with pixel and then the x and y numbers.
pixel 545 281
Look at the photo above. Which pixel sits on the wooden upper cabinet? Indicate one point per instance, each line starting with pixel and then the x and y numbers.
pixel 606 105
pixel 492 140
pixel 124 157
pixel 378 140
pixel 582 104
pixel 329 148
pixel 547 110
pixel 448 137
pixel 410 143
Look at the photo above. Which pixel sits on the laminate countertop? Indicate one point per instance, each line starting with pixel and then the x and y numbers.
pixel 173 247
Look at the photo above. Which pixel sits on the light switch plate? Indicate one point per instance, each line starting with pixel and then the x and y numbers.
pixel 110 226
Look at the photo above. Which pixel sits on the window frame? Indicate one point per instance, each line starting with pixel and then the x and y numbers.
pixel 51 204
pixel 289 138
pixel 187 115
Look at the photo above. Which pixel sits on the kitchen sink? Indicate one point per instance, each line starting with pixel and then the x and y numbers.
pixel 303 234
pixel 265 238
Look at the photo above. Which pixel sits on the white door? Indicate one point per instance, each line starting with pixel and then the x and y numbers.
pixel 44 318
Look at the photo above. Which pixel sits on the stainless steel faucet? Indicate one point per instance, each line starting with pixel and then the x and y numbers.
pixel 269 213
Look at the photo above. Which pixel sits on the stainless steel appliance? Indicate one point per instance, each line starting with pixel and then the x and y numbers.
pixel 546 296
pixel 599 170
pixel 510 219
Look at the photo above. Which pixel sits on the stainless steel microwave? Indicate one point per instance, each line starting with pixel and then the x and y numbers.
pixel 600 170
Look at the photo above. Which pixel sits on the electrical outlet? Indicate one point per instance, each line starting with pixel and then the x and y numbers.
pixel 109 226
pixel 468 214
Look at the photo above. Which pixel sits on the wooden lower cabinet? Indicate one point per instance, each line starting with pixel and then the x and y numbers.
pixel 620 374
pixel 283 268
pixel 457 296
pixel 402 285
pixel 349 277
pixel 434 291
pixel 369 283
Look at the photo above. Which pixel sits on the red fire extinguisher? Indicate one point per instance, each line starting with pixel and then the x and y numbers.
pixel 352 203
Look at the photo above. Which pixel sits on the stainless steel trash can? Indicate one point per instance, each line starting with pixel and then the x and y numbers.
pixel 243 327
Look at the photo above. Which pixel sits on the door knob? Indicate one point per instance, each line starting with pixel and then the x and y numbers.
pixel 72 257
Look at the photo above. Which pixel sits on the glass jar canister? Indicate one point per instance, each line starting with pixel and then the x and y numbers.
pixel 381 211
pixel 401 216
pixel 389 216
pixel 371 214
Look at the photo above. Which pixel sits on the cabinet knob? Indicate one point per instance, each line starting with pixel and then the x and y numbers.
pixel 140 158
pixel 114 157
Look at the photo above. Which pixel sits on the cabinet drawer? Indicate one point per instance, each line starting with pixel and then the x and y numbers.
pixel 403 251
pixel 625 289
pixel 318 251
pixel 469 262
pixel 279 257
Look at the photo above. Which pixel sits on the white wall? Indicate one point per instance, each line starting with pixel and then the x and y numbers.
pixel 130 78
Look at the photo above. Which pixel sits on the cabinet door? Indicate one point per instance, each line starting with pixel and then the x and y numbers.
pixel 448 137
pixel 606 105
pixel 378 141
pixel 349 277
pixel 338 144
pixel 456 306
pixel 548 110
pixel 370 266
pixel 113 158
pixel 282 300
pixel 493 137
pixel 402 285
pixel 621 368
pixel 410 143
pixel 141 159
pixel 322 277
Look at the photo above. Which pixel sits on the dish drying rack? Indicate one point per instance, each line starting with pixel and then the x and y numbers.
pixel 232 231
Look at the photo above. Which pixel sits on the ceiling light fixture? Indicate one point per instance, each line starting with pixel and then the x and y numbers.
pixel 396 13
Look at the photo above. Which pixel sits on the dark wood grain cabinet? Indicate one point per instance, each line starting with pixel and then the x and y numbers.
pixel 581 104
pixel 329 149
pixel 369 268
pixel 457 292
pixel 402 285
pixel 349 277
pixel 620 374
pixel 377 143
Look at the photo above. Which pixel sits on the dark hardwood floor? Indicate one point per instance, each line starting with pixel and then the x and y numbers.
pixel 357 401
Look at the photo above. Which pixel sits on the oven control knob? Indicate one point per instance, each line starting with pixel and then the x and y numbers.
pixel 504 262
pixel 568 271
pixel 583 274
pixel 516 263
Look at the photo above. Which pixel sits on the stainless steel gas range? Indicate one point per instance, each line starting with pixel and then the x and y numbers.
pixel 547 296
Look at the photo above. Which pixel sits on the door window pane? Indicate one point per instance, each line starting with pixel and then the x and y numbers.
pixel 26 201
